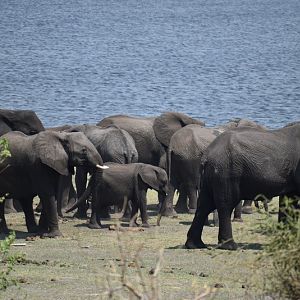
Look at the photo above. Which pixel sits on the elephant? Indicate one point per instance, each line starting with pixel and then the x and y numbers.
pixel 34 168
pixel 241 164
pixel 152 137
pixel 25 121
pixel 112 143
pixel 185 151
pixel 131 181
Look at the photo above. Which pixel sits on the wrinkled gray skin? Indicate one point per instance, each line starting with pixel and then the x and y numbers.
pixel 185 151
pixel 152 137
pixel 25 121
pixel 109 187
pixel 34 168
pixel 113 144
pixel 241 164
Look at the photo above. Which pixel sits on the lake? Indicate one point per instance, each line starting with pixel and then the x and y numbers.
pixel 79 61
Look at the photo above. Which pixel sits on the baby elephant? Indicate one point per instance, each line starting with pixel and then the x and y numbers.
pixel 119 182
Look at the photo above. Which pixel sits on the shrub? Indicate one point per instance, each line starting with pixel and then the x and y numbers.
pixel 283 251
pixel 4 150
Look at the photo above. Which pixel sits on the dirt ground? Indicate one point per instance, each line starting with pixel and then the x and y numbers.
pixel 80 264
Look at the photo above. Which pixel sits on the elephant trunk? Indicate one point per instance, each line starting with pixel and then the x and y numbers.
pixel 83 197
pixel 161 209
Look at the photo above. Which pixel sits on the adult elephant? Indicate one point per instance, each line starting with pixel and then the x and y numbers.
pixel 25 121
pixel 241 164
pixel 152 136
pixel 186 148
pixel 113 144
pixel 34 168
pixel 185 151
pixel 120 181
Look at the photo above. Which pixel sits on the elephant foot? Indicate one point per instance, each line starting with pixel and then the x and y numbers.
pixel 238 220
pixel 192 210
pixel 51 234
pixel 80 215
pixel 190 244
pixel 133 224
pixel 145 225
pixel 10 210
pixel 206 222
pixel 227 245
pixel 94 226
pixel 169 212
pixel 181 209
pixel 247 210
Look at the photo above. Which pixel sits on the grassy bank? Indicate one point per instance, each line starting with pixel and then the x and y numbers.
pixel 77 265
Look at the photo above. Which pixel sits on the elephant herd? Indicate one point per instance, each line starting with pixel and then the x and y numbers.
pixel 211 168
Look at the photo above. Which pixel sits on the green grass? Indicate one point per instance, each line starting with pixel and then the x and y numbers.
pixel 76 265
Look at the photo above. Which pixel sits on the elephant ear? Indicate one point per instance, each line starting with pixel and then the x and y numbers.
pixel 149 176
pixel 49 148
pixel 168 123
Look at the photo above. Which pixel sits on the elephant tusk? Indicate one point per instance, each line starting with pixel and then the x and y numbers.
pixel 102 167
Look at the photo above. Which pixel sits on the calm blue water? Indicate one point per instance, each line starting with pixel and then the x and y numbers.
pixel 77 61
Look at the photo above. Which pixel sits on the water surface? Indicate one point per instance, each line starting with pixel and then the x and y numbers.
pixel 78 61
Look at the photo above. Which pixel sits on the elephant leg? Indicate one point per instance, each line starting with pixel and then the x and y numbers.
pixel 29 214
pixel 225 237
pixel 181 205
pixel 39 207
pixel 281 212
pixel 126 211
pixel 192 195
pixel 237 214
pixel 94 222
pixel 247 207
pixel 206 206
pixel 43 222
pixel 134 214
pixel 3 225
pixel 17 205
pixel 9 206
pixel 266 206
pixel 50 209
pixel 143 209
pixel 80 180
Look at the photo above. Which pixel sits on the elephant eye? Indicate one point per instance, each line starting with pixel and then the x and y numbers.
pixel 84 151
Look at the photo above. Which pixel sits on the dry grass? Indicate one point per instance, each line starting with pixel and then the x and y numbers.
pixel 80 264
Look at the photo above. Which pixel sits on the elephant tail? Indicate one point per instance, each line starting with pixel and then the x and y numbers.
pixel 83 197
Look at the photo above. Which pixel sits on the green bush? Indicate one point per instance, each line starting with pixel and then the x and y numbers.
pixel 7 261
pixel 283 252
pixel 4 150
